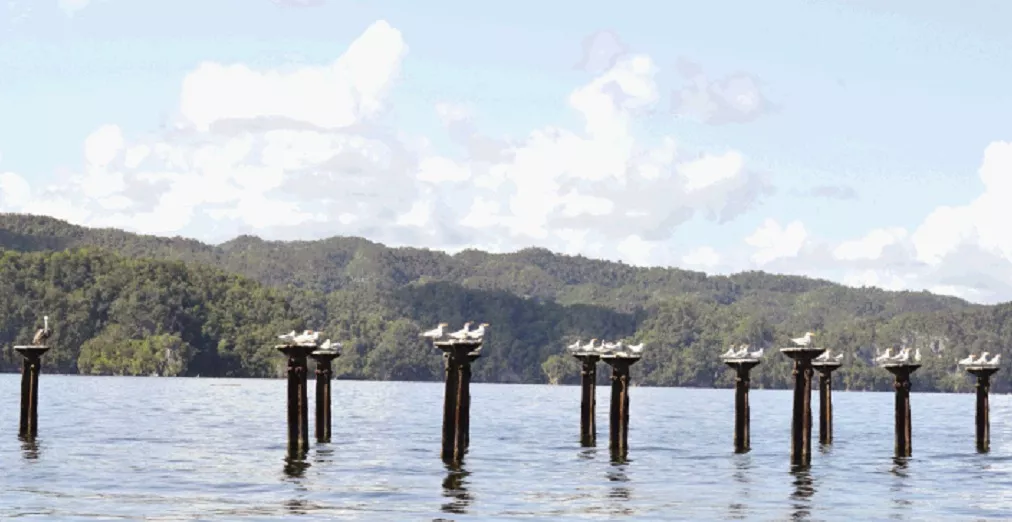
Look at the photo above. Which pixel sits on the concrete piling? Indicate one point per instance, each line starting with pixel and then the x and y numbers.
pixel 324 372
pixel 742 414
pixel 904 436
pixel 801 418
pixel 31 366
pixel 618 440
pixel 457 397
pixel 298 403
pixel 983 415
pixel 588 400
pixel 826 369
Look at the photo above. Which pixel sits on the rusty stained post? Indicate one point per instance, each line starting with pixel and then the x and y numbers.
pixel 983 416
pixel 298 398
pixel 456 400
pixel 588 397
pixel 618 440
pixel 826 369
pixel 742 414
pixel 801 417
pixel 30 369
pixel 324 372
pixel 904 437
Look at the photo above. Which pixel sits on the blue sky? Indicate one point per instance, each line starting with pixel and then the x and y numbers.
pixel 893 102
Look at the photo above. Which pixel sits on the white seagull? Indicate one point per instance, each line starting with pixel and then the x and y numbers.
pixel 917 355
pixel 590 346
pixel 288 337
pixel 995 361
pixel 983 358
pixel 888 354
pixel 462 333
pixel 838 357
pixel 742 350
pixel 804 341
pixel 327 345
pixel 635 348
pixel 729 353
pixel 478 333
pixel 614 347
pixel 435 333
pixel 968 360
pixel 575 347
pixel 757 354
pixel 824 356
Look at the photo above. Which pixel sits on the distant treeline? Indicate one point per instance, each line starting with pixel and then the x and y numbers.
pixel 127 304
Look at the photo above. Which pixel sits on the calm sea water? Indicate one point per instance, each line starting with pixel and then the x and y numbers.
pixel 120 448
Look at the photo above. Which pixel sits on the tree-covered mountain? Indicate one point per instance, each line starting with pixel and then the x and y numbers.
pixel 123 303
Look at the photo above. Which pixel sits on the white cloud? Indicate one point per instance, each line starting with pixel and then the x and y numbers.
pixel 703 257
pixel 871 245
pixel 71 7
pixel 773 241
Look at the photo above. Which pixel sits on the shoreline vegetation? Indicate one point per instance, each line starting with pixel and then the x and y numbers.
pixel 123 303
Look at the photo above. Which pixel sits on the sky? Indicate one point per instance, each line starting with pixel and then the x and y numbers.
pixel 866 142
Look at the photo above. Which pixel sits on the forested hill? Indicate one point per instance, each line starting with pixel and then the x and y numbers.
pixel 124 303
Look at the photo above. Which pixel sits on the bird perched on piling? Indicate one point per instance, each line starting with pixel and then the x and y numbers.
pixel 435 333
pixel 461 334
pixel 804 341
pixel 888 354
pixel 327 345
pixel 575 347
pixel 636 349
pixel 966 361
pixel 478 333
pixel 43 333
pixel 983 358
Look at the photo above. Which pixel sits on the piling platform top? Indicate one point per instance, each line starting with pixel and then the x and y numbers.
pixel 827 365
pixel 622 356
pixel 453 343
pixel 982 368
pixel 325 354
pixel 798 352
pixel 738 361
pixel 31 350
pixel 586 354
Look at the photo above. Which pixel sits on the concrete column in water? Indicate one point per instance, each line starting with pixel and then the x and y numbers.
pixel 801 416
pixel 324 372
pixel 618 440
pixel 298 397
pixel 456 400
pixel 983 416
pixel 31 366
pixel 588 397
pixel 904 437
pixel 742 415
pixel 826 369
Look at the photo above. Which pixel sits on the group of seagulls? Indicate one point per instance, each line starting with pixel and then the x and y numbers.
pixel 308 338
pixel 970 360
pixel 617 348
pixel 902 357
pixel 742 352
pixel 465 334
pixel 826 357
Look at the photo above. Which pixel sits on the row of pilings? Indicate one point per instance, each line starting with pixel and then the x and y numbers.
pixel 457 399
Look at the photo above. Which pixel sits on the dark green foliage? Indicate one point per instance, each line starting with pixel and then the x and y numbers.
pixel 128 304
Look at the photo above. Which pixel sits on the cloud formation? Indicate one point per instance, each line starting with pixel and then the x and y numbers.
pixel 301 153
pixel 735 98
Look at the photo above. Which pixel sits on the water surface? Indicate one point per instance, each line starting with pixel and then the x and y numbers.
pixel 122 448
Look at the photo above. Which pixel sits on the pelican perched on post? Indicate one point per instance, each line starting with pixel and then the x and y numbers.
pixel 804 341
pixel 435 333
pixel 43 333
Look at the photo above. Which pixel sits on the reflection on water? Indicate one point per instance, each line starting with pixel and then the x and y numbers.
pixel 454 488
pixel 737 509
pixel 29 448
pixel 620 490
pixel 804 488
pixel 899 486
pixel 588 454
pixel 295 466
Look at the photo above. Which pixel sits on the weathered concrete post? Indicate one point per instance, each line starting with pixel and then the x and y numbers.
pixel 324 371
pixel 983 417
pixel 588 397
pixel 456 399
pixel 742 415
pixel 298 401
pixel 902 372
pixel 801 418
pixel 826 369
pixel 618 440
pixel 30 368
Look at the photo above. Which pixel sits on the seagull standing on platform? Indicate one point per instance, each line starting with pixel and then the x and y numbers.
pixel 888 354
pixel 804 341
pixel 742 351
pixel 327 345
pixel 824 356
pixel 43 333
pixel 838 357
pixel 478 333
pixel 729 353
pixel 757 354
pixel 995 361
pixel 635 349
pixel 968 360
pixel 983 358
pixel 435 333
pixel 590 346
pixel 575 347
pixel 461 334
pixel 917 355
